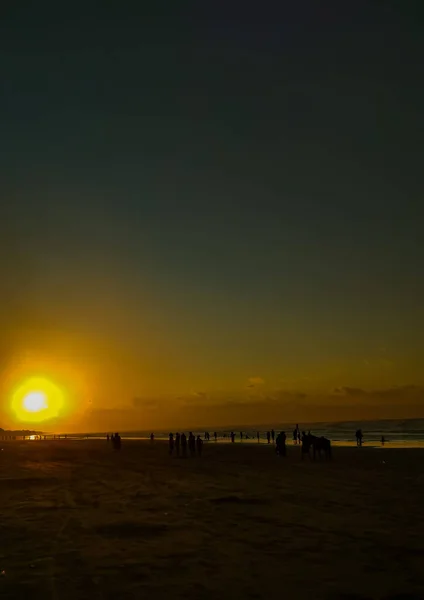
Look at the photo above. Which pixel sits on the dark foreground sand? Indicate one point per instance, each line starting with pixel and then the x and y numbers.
pixel 80 521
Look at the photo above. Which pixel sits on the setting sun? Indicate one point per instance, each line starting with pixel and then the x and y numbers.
pixel 37 400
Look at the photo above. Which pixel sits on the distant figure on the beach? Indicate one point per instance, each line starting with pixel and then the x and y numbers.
pixel 281 444
pixel 117 441
pixel 199 445
pixel 107 437
pixel 295 434
pixel 177 443
pixel 233 436
pixel 383 440
pixel 184 444
pixel 359 436
pixel 257 435
pixel 298 436
pixel 171 443
pixel 273 435
pixel 152 437
pixel 215 435
pixel 191 443
pixel 241 435
pixel 268 436
pixel 306 444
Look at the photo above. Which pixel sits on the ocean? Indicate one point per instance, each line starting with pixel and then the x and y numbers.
pixel 408 432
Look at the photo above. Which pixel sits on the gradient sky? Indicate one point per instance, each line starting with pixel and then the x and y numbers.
pixel 212 214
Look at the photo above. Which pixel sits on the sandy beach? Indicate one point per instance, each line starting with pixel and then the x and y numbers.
pixel 81 521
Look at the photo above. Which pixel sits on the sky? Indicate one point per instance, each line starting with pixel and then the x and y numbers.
pixel 212 214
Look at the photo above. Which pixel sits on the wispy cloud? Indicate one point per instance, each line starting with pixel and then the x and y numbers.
pixel 253 382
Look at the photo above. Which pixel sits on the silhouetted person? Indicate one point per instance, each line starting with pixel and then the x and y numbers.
pixel 152 437
pixel 184 444
pixel 273 435
pixel 241 435
pixel 171 443
pixel 117 441
pixel 215 435
pixel 233 436
pixel 298 436
pixel 281 444
pixel 177 443
pixel 383 440
pixel 306 444
pixel 199 445
pixel 257 435
pixel 107 437
pixel 359 437
pixel 191 443
pixel 268 437
pixel 295 434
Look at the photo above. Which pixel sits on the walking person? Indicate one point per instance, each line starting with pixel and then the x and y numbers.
pixel 184 445
pixel 191 444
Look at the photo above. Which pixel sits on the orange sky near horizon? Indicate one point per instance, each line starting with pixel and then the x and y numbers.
pixel 109 386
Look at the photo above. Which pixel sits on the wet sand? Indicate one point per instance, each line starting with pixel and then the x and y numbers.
pixel 78 520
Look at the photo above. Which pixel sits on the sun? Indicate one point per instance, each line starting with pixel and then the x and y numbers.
pixel 37 400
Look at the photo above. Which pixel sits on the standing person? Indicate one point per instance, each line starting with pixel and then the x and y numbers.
pixel 233 435
pixel 306 444
pixel 171 444
pixel 281 444
pixel 241 435
pixel 184 444
pixel 107 437
pixel 199 445
pixel 215 435
pixel 272 435
pixel 152 437
pixel 383 439
pixel 177 443
pixel 268 437
pixel 117 441
pixel 295 430
pixel 191 443
pixel 298 436
pixel 257 435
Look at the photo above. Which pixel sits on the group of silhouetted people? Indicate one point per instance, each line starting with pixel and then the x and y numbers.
pixel 181 444
pixel 115 438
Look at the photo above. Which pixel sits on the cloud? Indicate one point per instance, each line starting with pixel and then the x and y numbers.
pixel 396 392
pixel 255 381
pixel 349 391
pixel 144 403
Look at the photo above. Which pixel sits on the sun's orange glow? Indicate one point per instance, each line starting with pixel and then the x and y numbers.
pixel 37 400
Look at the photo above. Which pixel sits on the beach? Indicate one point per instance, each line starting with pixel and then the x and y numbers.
pixel 79 520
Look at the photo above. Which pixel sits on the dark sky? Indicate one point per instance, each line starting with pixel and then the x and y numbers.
pixel 194 194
